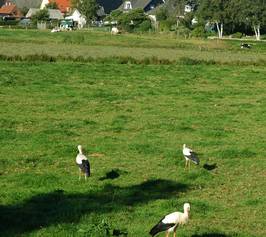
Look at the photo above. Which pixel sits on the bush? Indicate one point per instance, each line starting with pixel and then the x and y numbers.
pixel 183 32
pixel 165 25
pixel 237 35
pixel 8 22
pixel 144 26
pixel 199 32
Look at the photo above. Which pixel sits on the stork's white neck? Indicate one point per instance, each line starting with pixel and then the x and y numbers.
pixel 80 149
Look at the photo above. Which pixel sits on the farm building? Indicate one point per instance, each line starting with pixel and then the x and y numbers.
pixel 10 10
pixel 77 17
pixel 54 14
pixel 26 3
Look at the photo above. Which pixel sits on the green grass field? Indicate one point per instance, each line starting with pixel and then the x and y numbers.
pixel 132 121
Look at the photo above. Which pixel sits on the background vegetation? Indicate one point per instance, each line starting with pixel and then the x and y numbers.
pixel 132 120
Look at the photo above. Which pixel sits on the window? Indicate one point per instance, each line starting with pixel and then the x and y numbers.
pixel 127 5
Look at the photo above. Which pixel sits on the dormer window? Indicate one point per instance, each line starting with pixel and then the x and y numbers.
pixel 127 5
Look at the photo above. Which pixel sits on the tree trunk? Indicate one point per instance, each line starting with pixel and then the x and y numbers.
pixel 257 31
pixel 219 29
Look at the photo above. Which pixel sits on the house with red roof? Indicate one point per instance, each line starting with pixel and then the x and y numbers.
pixel 10 10
pixel 63 5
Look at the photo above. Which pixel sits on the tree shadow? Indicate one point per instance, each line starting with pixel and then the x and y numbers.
pixel 113 174
pixel 59 207
pixel 210 167
pixel 211 235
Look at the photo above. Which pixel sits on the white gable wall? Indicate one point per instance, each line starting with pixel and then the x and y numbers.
pixel 44 3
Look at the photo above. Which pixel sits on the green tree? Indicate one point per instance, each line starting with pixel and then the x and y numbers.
pixel 88 8
pixel 132 20
pixel 161 14
pixel 214 11
pixel 41 15
pixel 52 5
pixel 251 13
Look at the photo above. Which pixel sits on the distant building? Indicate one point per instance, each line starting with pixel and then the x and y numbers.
pixel 109 5
pixel 188 9
pixel 54 14
pixel 63 5
pixel 10 10
pixel 146 5
pixel 26 3
pixel 77 17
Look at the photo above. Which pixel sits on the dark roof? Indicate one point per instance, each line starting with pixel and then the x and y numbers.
pixel 109 5
pixel 146 5
pixel 27 3
pixel 2 3
pixel 139 3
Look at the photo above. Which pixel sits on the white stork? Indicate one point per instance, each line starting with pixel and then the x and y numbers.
pixel 170 222
pixel 190 156
pixel 83 163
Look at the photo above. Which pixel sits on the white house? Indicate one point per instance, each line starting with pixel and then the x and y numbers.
pixel 77 17
pixel 188 9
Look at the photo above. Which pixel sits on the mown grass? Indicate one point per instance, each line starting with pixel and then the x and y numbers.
pixel 132 120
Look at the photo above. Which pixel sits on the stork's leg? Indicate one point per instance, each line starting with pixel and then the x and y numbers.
pixel 79 174
pixel 174 233
pixel 186 164
pixel 167 234
pixel 189 165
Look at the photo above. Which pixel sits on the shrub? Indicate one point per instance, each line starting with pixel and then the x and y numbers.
pixel 144 26
pixel 183 32
pixel 199 32
pixel 165 25
pixel 237 35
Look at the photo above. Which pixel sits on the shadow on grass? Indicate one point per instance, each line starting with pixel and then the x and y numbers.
pixel 58 207
pixel 113 174
pixel 210 167
pixel 211 235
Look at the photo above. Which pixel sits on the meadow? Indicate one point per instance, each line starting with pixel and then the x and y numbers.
pixel 132 119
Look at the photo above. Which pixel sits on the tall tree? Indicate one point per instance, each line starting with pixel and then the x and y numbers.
pixel 52 5
pixel 253 13
pixel 88 8
pixel 215 11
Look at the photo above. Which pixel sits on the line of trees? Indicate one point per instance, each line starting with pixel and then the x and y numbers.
pixel 237 13
pixel 228 16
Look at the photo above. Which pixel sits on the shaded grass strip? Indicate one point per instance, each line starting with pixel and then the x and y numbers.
pixel 125 60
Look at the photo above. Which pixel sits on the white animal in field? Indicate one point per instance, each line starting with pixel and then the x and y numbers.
pixel 170 222
pixel 190 155
pixel 83 163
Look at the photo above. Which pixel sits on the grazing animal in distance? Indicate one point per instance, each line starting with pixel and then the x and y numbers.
pixel 245 46
pixel 83 163
pixel 170 222
pixel 190 156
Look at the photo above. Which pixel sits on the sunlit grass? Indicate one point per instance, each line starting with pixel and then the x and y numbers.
pixel 135 118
